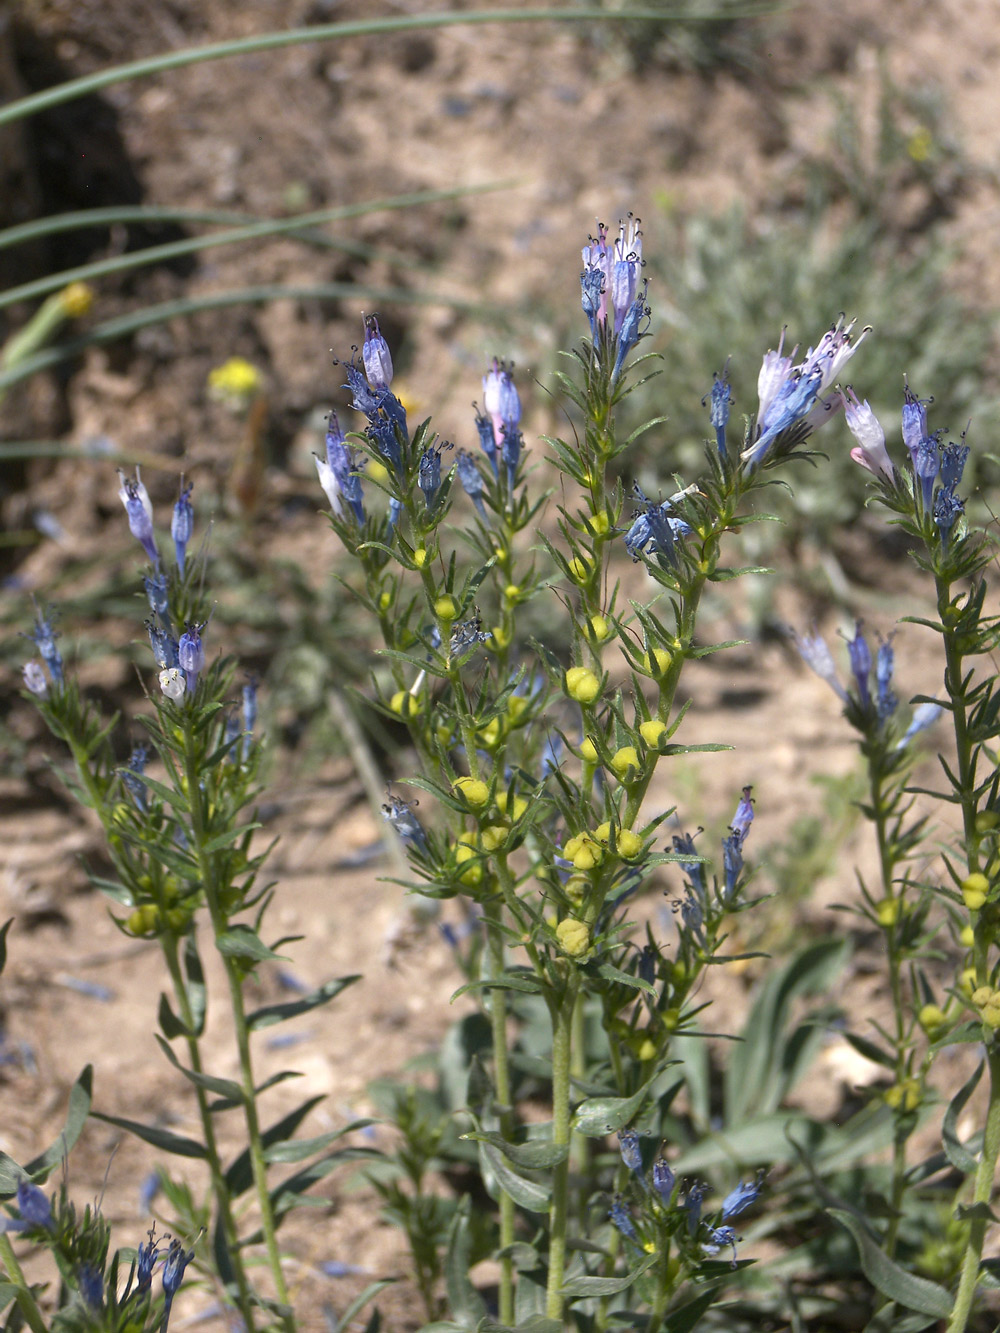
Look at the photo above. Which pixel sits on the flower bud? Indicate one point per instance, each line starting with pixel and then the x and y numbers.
pixel 573 937
pixel 473 791
pixel 582 685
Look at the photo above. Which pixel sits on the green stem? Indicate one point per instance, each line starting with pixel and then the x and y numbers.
pixel 561 1009
pixel 25 1299
pixel 982 1193
pixel 501 1070
pixel 211 887
pixel 219 1188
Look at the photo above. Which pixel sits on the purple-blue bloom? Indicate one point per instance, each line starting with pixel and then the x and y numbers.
pixel 628 1142
pixel 717 1238
pixel 692 1205
pixel 33 1205
pixel 926 463
pixel 720 403
pixel 191 655
pixel 743 817
pixel 625 265
pixel 861 665
pixel 45 637
pixel 953 460
pixel 816 654
pixel 173 1274
pixel 157 594
pixel 164 646
pixel 663 1179
pixel 695 870
pixel 487 439
pixel 132 775
pixel 182 525
pixel 947 510
pixel 400 815
pixel 376 357
pixel 621 1218
pixel 145 1260
pixel 34 679
pixel 914 419
pixel 740 1198
pixel 631 331
pixel 470 478
pixel 139 509
pixel 91 1285
pixel 886 701
pixel 924 716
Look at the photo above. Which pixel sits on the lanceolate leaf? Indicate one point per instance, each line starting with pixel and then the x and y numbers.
pixel 159 1138
pixel 958 1154
pixel 467 1305
pixel 535 1155
pixel 606 1286
pixel 225 1087
pixel 598 1116
pixel 242 942
pixel 916 1293
pixel 76 1117
pixel 239 1176
pixel 532 1195
pixel 277 1013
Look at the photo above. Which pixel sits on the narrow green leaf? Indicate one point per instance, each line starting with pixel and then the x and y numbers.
pixel 278 1013
pixel 585 1285
pixel 173 796
pixel 536 1154
pixel 243 942
pixel 370 1292
pixel 870 1050
pixel 239 1175
pixel 610 973
pixel 687 1316
pixel 521 981
pixel 197 991
pixel 466 1304
pixel 170 1024
pixel 532 1195
pixel 916 1293
pixel 76 1117
pixel 230 836
pixel 598 1116
pixel 223 1087
pixel 297 1150
pixel 958 1154
pixel 159 1138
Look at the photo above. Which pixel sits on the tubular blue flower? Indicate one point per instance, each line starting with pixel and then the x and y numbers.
pixel 789 393
pixel 139 509
pixel 740 1198
pixel 693 1197
pixel 663 1179
pixel 249 714
pixel 471 480
pixel 501 400
pixel 157 595
pixel 34 679
pixel 720 403
pixel 886 700
pixel 621 1219
pixel 625 265
pixel 382 434
pixel 631 330
pixel 717 1238
pixel 914 419
pixel 953 460
pixel 363 399
pixel 693 916
pixel 864 425
pixel 628 1143
pixel 732 864
pixel 695 870
pixel 91 1285
pixel 743 817
pixel 338 473
pixel 376 357
pixel 468 634
pixel 191 655
pixel 145 1261
pixel 924 716
pixel 861 665
pixel 948 508
pixel 173 1275
pixel 926 465
pixel 164 646
pixel 44 637
pixel 595 280
pixel 33 1205
pixel 400 815
pixel 511 452
pixel 182 525
pixel 817 656
pixel 132 775
pixel 395 509
pixel 429 473
pixel 487 440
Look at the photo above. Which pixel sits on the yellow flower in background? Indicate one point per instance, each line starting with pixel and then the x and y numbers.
pixel 919 144
pixel 236 383
pixel 76 299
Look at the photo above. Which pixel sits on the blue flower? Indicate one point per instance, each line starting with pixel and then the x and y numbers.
pixel 131 775
pixel 817 656
pixel 429 473
pixel 595 280
pixel 926 463
pixel 91 1285
pixel 157 594
pixel 948 508
pixel 249 713
pixel 382 434
pixel 953 460
pixel 338 475
pixel 470 478
pixel 487 439
pixel 34 679
pixel 376 357
pixel 717 1238
pixel 914 419
pixel 663 1179
pixel 924 716
pixel 628 1142
pixel 692 1205
pixel 182 525
pixel 592 295
pixel 732 863
pixel 861 665
pixel 45 637
pixel 743 817
pixel 511 452
pixel 400 815
pixel 886 700
pixel 468 634
pixel 626 263
pixel 621 1219
pixel 173 1274
pixel 139 509
pixel 191 655
pixel 33 1205
pixel 631 331
pixel 145 1260
pixel 720 403
pixel 695 870
pixel 164 646
pixel 740 1198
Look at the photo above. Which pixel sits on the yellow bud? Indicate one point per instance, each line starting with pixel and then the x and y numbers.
pixel 493 837
pixel 931 1017
pixel 652 732
pixel 517 808
pixel 991 1015
pixel 887 912
pixel 376 471
pixel 659 661
pixel 982 995
pixel 385 601
pixel 490 734
pixel 473 874
pixel 597 523
pixel 420 557
pixel 76 299
pixel 582 685
pixel 576 888
pixel 516 705
pixel 967 981
pixel 987 821
pixel 475 792
pixel 144 920
pixel 579 569
pixel 512 592
pixel 678 973
pixel 967 938
pixel 405 704
pixel 582 851
pixel 235 379
pixel 445 608
pixel 588 751
pixel 626 763
pixel 573 937
pixel 629 843
pixel 973 899
pixel 649 1246
pixel 671 1018
pixel 500 552
pixel 598 629
pixel 647 1050
pixel 974 890
pixel 501 637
